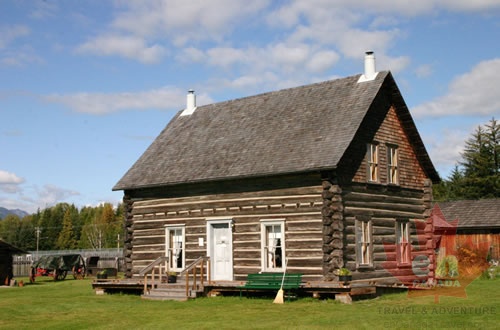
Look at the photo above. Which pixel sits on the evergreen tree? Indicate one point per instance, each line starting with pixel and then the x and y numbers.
pixel 66 239
pixel 9 229
pixel 63 226
pixel 478 175
pixel 27 234
pixel 480 163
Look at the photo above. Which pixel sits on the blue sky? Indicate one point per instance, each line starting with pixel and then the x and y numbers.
pixel 85 86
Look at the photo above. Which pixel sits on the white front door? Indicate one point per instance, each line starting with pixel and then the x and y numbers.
pixel 221 250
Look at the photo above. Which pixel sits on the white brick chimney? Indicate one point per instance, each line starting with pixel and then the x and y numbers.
pixel 190 104
pixel 370 71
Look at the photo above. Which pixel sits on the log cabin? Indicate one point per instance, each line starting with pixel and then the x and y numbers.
pixel 313 178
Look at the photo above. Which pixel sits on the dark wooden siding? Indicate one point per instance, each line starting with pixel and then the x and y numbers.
pixel 475 239
pixel 299 207
pixel 5 266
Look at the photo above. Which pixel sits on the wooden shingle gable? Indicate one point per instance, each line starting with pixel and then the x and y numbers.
pixel 388 105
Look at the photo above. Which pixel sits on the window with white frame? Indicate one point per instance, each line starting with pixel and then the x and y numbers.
pixel 272 244
pixel 363 242
pixel 403 244
pixel 392 165
pixel 175 249
pixel 373 165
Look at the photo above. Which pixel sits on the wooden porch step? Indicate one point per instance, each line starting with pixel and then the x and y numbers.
pixel 172 291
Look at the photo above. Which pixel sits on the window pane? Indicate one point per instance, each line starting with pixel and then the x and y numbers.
pixel 363 238
pixel 273 238
pixel 403 241
pixel 176 245
pixel 272 245
pixel 392 164
pixel 372 162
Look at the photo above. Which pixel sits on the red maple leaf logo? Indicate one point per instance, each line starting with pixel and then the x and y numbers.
pixel 444 263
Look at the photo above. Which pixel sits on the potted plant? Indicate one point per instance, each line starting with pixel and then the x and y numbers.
pixel 344 275
pixel 171 277
pixel 103 274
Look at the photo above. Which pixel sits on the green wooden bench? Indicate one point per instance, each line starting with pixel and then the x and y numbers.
pixel 271 281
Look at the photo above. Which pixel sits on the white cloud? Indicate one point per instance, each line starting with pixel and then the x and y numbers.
pixel 12 54
pixel 9 178
pixel 10 182
pixel 185 20
pixel 19 58
pixel 322 61
pixel 473 93
pixel 225 57
pixel 138 23
pixel 251 81
pixel 44 9
pixel 50 195
pixel 424 70
pixel 191 54
pixel 127 46
pixel 291 13
pixel 102 103
pixel 338 27
pixel 10 33
pixel 445 148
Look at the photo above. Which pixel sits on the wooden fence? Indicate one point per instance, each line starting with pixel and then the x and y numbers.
pixel 108 258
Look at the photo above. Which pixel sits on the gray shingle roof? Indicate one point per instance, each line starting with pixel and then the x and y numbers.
pixel 473 213
pixel 292 130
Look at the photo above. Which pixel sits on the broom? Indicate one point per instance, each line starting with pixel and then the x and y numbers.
pixel 279 296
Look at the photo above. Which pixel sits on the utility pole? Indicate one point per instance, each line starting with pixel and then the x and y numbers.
pixel 37 232
pixel 118 243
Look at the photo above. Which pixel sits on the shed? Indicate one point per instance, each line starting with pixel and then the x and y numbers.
pixel 474 221
pixel 6 257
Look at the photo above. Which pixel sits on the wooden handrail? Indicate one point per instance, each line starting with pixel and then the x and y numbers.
pixel 156 262
pixel 193 266
pixel 199 262
pixel 151 268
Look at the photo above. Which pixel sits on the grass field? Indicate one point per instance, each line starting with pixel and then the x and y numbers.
pixel 72 304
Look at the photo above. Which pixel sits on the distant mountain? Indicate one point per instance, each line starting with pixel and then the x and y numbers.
pixel 4 212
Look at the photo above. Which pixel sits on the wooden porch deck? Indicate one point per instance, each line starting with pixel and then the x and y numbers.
pixel 316 289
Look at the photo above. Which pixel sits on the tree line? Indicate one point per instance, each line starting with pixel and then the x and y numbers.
pixel 477 174
pixel 65 227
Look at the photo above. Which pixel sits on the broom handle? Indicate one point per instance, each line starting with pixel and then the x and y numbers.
pixel 284 272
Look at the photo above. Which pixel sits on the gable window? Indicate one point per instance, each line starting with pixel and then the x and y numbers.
pixel 403 247
pixel 272 244
pixel 373 170
pixel 175 251
pixel 364 242
pixel 392 165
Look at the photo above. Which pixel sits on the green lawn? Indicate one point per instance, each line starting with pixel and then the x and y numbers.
pixel 72 304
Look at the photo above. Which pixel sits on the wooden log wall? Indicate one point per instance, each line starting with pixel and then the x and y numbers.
pixel 299 207
pixel 383 208
pixel 383 205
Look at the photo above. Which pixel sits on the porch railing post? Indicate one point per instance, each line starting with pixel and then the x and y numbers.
pixel 209 271
pixel 201 272
pixel 194 278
